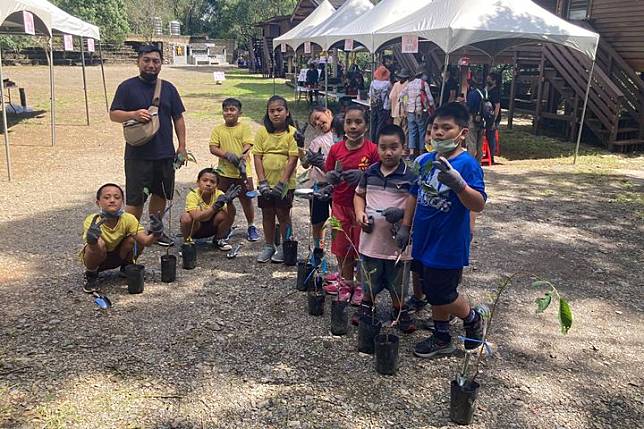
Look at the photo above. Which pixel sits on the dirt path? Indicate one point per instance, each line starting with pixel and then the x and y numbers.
pixel 230 344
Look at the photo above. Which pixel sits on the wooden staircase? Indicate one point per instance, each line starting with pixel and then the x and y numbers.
pixel 550 84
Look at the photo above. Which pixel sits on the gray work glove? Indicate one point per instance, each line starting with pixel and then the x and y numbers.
pixel 449 176
pixel 94 231
pixel 156 226
pixel 242 167
pixel 324 194
pixel 279 191
pixel 232 158
pixel 393 214
pixel 299 139
pixel 315 159
pixel 232 193
pixel 263 188
pixel 402 237
pixel 352 177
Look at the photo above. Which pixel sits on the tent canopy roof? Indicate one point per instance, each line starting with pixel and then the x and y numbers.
pixel 383 14
pixel 345 15
pixel 492 26
pixel 318 16
pixel 11 16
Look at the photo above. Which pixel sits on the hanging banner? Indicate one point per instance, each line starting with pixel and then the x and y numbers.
pixel 68 42
pixel 348 44
pixel 307 47
pixel 283 47
pixel 90 45
pixel 409 44
pixel 28 20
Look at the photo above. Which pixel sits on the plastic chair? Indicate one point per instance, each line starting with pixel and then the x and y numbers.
pixel 486 158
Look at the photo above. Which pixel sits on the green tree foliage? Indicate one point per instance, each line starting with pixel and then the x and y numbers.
pixel 109 15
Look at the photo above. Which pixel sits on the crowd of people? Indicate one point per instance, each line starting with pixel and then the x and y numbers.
pixel 388 211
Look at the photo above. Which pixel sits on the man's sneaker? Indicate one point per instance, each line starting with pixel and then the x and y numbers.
pixel 252 234
pixel 356 299
pixel 222 244
pixel 475 331
pixel 414 304
pixel 265 255
pixel 432 346
pixel 406 322
pixel 278 256
pixel 91 282
pixel 165 241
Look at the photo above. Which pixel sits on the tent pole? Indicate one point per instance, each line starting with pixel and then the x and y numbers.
pixel 373 71
pixel 326 80
pixel 440 100
pixel 583 112
pixel 4 122
pixel 84 80
pixel 100 54
pixel 51 91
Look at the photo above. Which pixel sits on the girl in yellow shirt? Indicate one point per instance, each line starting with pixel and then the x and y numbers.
pixel 275 154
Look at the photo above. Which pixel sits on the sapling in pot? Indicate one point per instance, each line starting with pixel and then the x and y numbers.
pixel 464 388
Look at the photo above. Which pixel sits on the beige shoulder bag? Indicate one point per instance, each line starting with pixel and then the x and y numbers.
pixel 139 133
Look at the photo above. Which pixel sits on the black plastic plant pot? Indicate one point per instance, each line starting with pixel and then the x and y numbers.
pixel 315 299
pixel 290 252
pixel 462 403
pixel 168 268
pixel 135 278
pixel 386 347
pixel 189 256
pixel 304 270
pixel 318 254
pixel 339 317
pixel 368 328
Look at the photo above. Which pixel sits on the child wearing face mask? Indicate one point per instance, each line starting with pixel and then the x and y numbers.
pixel 449 188
pixel 345 165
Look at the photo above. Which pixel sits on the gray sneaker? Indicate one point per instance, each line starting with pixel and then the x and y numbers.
pixel 278 256
pixel 266 253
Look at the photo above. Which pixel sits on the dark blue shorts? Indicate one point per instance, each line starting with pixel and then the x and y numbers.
pixel 440 285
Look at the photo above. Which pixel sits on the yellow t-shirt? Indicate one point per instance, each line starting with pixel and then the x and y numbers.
pixel 233 140
pixel 126 226
pixel 194 201
pixel 275 149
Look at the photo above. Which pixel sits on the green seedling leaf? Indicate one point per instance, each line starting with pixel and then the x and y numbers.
pixel 544 303
pixel 565 316
pixel 335 223
pixel 302 178
pixel 191 158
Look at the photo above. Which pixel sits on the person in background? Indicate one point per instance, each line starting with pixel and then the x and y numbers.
pixel 312 82
pixel 474 139
pixel 493 95
pixel 420 103
pixel 451 87
pixel 398 105
pixel 379 99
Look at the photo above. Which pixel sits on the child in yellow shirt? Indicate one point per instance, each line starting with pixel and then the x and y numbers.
pixel 275 153
pixel 206 214
pixel 231 142
pixel 110 236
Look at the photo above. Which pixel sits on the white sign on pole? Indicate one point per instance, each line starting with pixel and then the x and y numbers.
pixel 90 45
pixel 307 47
pixel 409 44
pixel 283 47
pixel 28 20
pixel 219 77
pixel 68 42
pixel 348 44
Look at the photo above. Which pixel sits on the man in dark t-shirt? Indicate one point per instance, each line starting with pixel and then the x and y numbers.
pixel 493 94
pixel 451 88
pixel 150 166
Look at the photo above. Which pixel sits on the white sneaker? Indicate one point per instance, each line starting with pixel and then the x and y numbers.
pixel 278 256
pixel 223 245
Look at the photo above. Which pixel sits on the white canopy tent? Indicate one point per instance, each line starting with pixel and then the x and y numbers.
pixel 492 26
pixel 317 17
pixel 47 19
pixel 363 29
pixel 349 12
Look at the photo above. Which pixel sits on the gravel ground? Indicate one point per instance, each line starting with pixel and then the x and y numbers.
pixel 230 344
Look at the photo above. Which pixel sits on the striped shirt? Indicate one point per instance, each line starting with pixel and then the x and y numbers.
pixel 382 192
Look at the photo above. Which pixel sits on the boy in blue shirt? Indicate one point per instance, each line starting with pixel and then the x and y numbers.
pixel 450 185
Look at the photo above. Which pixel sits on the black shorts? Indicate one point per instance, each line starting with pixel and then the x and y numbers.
pixel 319 211
pixel 224 183
pixel 276 203
pixel 156 175
pixel 440 286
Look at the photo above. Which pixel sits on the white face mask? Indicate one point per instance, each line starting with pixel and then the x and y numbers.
pixel 446 146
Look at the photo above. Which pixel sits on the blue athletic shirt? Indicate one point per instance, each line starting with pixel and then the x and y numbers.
pixel 441 230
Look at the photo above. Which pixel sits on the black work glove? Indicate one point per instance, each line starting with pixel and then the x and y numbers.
pixel 94 231
pixel 324 194
pixel 279 191
pixel 315 159
pixel 393 214
pixel 402 237
pixel 232 158
pixel 352 177
pixel 156 226
pixel 299 139
pixel 333 177
pixel 242 167
pixel 263 188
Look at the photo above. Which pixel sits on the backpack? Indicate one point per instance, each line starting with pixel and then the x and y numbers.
pixel 378 99
pixel 485 114
pixel 425 101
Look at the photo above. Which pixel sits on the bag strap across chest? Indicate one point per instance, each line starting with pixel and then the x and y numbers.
pixel 156 98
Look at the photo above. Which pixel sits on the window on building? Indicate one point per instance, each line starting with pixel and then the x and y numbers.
pixel 578 9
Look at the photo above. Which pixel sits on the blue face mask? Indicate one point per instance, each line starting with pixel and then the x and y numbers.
pixel 110 215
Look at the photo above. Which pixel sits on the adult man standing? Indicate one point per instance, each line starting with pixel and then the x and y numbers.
pixel 493 95
pixel 474 101
pixel 151 165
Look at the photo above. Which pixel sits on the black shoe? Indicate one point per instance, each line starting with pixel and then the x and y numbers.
pixel 406 322
pixel 91 282
pixel 432 346
pixel 165 241
pixel 474 331
pixel 122 272
pixel 414 304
